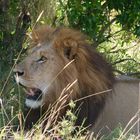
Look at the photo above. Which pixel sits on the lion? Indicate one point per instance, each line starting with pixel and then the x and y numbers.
pixel 58 57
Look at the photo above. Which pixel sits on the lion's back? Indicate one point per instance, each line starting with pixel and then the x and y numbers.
pixel 121 107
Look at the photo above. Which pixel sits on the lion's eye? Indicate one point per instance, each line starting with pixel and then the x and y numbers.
pixel 42 59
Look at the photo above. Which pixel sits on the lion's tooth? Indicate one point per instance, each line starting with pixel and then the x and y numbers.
pixel 31 92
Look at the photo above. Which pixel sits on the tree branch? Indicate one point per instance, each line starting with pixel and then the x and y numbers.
pixel 106 26
pixel 127 74
pixel 96 43
pixel 122 60
pixel 118 71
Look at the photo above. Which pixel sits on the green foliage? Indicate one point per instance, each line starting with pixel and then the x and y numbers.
pixel 67 128
pixel 10 43
pixel 92 16
pixel 87 16
pixel 8 26
pixel 123 55
pixel 128 13
pixel 117 134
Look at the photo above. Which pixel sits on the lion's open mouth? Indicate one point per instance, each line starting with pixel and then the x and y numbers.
pixel 32 93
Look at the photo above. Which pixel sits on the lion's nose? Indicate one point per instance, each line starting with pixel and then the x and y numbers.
pixel 18 72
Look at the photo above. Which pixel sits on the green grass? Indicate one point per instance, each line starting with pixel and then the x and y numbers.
pixel 63 129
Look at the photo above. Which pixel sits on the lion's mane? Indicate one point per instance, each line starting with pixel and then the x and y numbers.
pixel 91 70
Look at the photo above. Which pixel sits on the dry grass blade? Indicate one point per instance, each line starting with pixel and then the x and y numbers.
pixel 39 17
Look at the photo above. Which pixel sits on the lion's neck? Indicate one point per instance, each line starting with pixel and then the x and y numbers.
pixel 90 109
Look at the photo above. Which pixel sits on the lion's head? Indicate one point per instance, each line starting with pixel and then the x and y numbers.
pixel 56 58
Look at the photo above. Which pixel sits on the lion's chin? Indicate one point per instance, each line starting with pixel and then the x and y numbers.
pixel 33 104
pixel 33 97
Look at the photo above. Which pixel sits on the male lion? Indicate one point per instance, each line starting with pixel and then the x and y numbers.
pixel 60 57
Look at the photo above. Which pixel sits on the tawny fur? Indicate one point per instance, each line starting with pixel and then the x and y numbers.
pixel 90 68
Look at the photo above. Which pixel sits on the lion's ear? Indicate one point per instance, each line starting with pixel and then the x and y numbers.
pixel 70 48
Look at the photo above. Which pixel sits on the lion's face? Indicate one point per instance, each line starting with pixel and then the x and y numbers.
pixel 56 59
pixel 37 72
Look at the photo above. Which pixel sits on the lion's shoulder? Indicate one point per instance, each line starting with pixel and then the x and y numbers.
pixel 126 78
pixel 121 107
